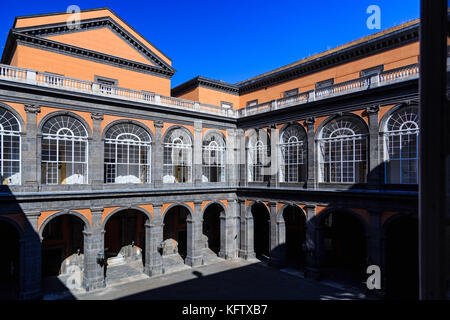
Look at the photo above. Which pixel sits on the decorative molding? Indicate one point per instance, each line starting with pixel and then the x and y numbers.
pixel 32 108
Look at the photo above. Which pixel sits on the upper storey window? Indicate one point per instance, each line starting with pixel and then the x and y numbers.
pixel 401 138
pixel 213 158
pixel 252 103
pixel 371 71
pixel 177 157
pixel 258 157
pixel 292 155
pixel 343 151
pixel 127 154
pixel 325 84
pixel 9 148
pixel 290 93
pixel 64 151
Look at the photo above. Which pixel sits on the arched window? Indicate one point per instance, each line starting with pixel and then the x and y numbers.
pixel 343 151
pixel 177 157
pixel 401 138
pixel 9 148
pixel 258 157
pixel 127 154
pixel 292 155
pixel 64 151
pixel 213 155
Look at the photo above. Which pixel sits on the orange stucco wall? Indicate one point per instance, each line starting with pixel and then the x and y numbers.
pixel 77 68
pixel 210 96
pixel 391 59
pixel 102 40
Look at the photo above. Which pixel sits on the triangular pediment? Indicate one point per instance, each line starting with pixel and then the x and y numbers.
pixel 101 38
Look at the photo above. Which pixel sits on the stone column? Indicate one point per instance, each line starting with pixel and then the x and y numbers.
pixel 30 155
pixel 153 238
pixel 274 163
pixel 375 249
pixel 311 181
pixel 314 244
pixel 375 170
pixel 246 250
pixel 94 272
pixel 30 282
pixel 197 149
pixel 231 156
pixel 241 157
pixel 96 152
pixel 157 155
pixel 194 255
pixel 228 233
pixel 274 244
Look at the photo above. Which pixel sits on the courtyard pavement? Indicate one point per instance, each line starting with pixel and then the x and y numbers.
pixel 225 280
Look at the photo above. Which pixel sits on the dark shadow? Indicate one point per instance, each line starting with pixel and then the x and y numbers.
pixel 295 224
pixel 250 282
pixel 261 231
pixel 402 259
pixel 211 226
pixel 175 227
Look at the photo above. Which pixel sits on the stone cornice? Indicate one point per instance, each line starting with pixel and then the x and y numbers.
pixel 205 83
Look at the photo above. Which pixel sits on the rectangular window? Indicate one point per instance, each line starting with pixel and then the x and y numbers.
pixel 226 105
pixel 252 103
pixel 325 84
pixel 371 71
pixel 290 93
pixel 106 81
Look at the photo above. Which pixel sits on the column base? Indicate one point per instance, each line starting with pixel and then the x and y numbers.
pixel 95 284
pixel 193 261
pixel 247 255
pixel 227 255
pixel 154 270
pixel 312 273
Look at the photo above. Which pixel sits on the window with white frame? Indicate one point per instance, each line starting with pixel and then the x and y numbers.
pixel 127 154
pixel 177 157
pixel 258 158
pixel 9 148
pixel 292 155
pixel 401 138
pixel 213 155
pixel 64 151
pixel 343 151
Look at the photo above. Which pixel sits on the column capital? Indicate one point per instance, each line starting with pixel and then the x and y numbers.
pixel 158 123
pixel 310 121
pixel 372 109
pixel 97 116
pixel 32 108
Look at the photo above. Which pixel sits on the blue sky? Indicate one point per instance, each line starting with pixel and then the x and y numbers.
pixel 233 40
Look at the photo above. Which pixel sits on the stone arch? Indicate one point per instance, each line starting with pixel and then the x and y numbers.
pixel 132 121
pixel 87 224
pixel 16 115
pixel 280 218
pixel 360 121
pixel 175 205
pixel 174 127
pixel 225 210
pixel 65 113
pixel 324 213
pixel 214 131
pixel 117 210
pixel 397 107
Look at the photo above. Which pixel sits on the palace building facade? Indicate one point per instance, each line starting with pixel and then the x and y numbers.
pixel 313 165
